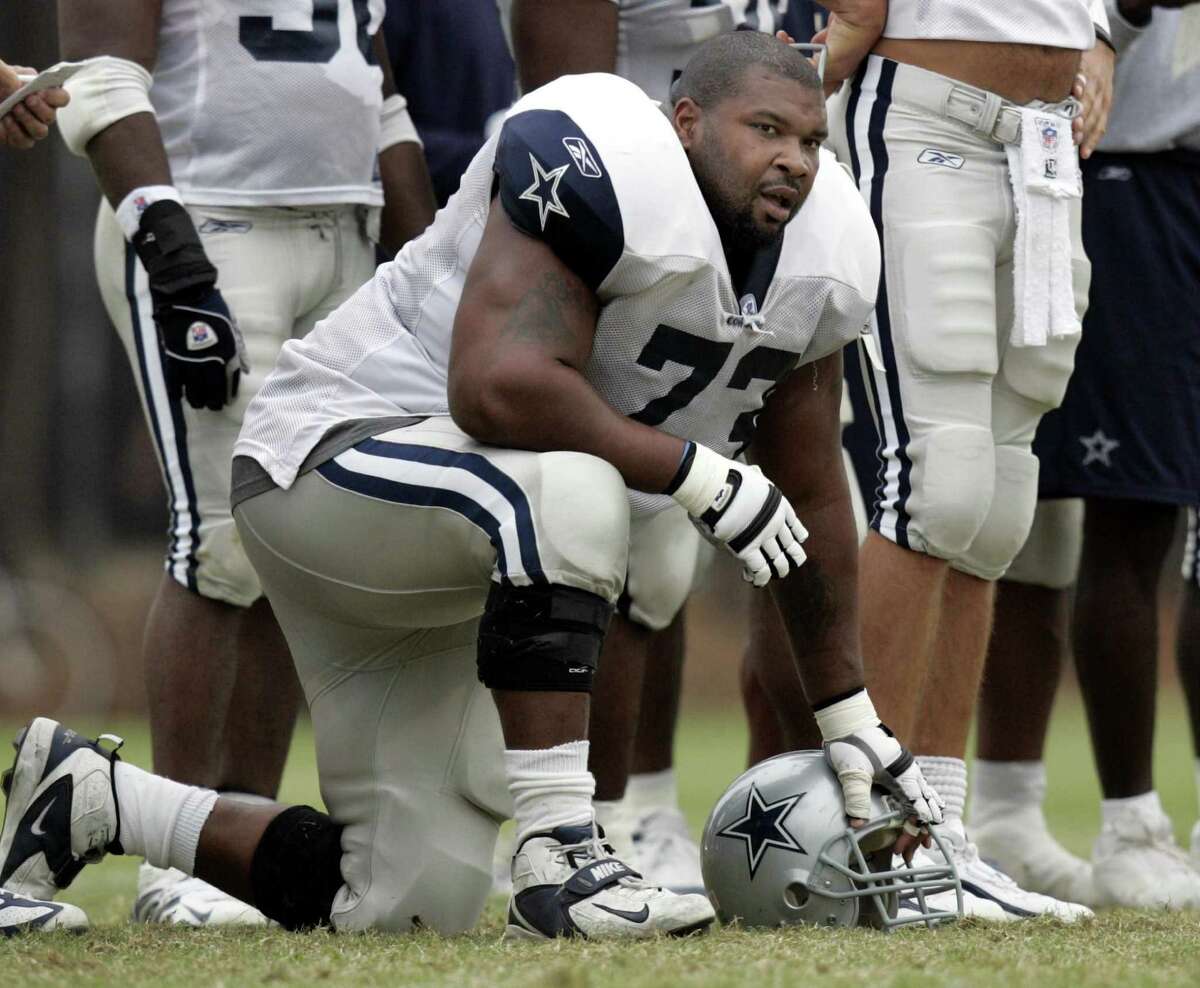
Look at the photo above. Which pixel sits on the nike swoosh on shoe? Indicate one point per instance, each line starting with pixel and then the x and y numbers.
pixel 640 916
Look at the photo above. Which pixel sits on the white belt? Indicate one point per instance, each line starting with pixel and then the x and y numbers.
pixel 984 112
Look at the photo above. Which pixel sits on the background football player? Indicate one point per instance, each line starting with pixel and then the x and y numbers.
pixel 1131 452
pixel 937 98
pixel 238 154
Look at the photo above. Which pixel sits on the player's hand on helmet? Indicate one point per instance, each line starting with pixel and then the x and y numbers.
pixel 863 753
pixel 203 352
pixel 736 506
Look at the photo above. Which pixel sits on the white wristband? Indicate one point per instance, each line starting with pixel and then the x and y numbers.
pixel 846 716
pixel 129 212
pixel 395 125
pixel 704 480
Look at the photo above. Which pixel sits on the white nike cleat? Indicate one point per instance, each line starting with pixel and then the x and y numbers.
pixel 985 882
pixel 566 883
pixel 665 854
pixel 1021 845
pixel 62 810
pixel 1138 864
pixel 21 915
pixel 170 896
pixel 973 906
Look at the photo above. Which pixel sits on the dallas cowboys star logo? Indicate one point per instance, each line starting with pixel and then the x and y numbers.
pixel 762 827
pixel 544 190
pixel 1098 448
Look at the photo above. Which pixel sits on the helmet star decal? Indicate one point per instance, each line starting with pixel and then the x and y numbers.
pixel 762 826
pixel 544 191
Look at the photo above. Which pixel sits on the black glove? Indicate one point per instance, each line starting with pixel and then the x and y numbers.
pixel 203 353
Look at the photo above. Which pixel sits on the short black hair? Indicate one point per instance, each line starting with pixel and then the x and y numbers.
pixel 719 67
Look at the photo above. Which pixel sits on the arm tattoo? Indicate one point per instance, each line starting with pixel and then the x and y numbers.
pixel 543 315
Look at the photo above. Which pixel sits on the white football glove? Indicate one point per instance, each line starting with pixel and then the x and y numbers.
pixel 736 506
pixel 862 752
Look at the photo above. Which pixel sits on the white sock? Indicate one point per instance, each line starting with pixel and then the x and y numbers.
pixel 649 791
pixel 1000 788
pixel 949 777
pixel 615 817
pixel 1145 805
pixel 551 787
pixel 161 820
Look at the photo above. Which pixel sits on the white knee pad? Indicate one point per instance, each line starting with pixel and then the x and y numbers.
pixel 1007 524
pixel 664 553
pixel 953 479
pixel 583 523
pixel 1050 556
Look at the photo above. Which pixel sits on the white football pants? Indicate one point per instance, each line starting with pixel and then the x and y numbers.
pixel 280 270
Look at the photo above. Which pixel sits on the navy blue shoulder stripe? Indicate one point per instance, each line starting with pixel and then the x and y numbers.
pixel 554 186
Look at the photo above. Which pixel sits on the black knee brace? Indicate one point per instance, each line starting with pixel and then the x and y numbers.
pixel 541 638
pixel 297 870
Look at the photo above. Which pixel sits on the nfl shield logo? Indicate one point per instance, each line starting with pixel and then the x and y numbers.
pixel 1048 130
pixel 748 305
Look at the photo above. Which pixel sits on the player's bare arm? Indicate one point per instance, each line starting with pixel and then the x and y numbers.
pixel 522 335
pixel 197 334
pixel 408 199
pixel 798 445
pixel 129 154
pixel 560 37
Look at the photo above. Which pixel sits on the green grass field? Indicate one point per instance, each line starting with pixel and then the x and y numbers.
pixel 1121 948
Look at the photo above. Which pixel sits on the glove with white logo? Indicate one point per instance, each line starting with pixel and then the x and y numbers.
pixel 203 351
pixel 736 506
pixel 862 752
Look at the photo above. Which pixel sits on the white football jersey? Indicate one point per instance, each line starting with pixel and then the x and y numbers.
pixel 591 166
pixel 1055 23
pixel 270 102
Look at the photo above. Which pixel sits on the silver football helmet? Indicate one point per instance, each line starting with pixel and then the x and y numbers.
pixel 777 850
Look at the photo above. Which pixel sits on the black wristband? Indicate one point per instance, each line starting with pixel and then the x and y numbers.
pixel 1103 35
pixel 171 252
pixel 681 472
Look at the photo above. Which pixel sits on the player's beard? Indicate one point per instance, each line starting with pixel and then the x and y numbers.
pixel 731 206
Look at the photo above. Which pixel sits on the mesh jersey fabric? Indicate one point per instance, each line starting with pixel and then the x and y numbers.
pixel 670 324
pixel 1054 23
pixel 270 103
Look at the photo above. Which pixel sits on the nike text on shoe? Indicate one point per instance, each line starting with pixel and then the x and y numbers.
pixel 21 915
pixel 62 810
pixel 170 896
pixel 567 884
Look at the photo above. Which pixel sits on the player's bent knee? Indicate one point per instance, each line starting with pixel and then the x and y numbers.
pixel 583 523
pixel 953 486
pixel 296 869
pixel 541 638
pixel 1007 525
